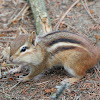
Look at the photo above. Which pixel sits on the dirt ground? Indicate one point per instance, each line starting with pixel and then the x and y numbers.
pixel 15 15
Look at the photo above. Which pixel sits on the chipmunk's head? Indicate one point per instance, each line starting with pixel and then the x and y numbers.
pixel 24 49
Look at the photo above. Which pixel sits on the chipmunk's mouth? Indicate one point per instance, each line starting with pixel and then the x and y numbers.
pixel 17 62
pixel 13 61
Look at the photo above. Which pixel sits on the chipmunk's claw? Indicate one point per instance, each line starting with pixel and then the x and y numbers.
pixel 20 79
pixel 12 71
pixel 23 78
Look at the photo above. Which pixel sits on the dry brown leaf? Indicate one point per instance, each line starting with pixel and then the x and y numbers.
pixel 53 89
pixel 25 92
pixel 2 35
pixel 48 90
pixel 91 11
pixel 4 63
pixel 11 79
pixel 0 2
pixel 79 4
pixel 96 36
pixel 15 21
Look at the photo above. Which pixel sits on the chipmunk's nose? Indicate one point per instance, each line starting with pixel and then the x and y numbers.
pixel 11 59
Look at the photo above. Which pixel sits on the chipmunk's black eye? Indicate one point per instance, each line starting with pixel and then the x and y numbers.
pixel 23 49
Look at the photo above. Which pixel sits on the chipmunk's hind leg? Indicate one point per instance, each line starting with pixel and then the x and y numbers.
pixel 73 73
pixel 70 80
pixel 65 84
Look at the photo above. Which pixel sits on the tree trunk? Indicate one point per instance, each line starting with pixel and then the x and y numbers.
pixel 43 24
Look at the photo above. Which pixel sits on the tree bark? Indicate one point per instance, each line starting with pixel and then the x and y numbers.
pixel 43 24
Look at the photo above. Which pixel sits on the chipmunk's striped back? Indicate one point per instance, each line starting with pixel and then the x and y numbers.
pixel 61 41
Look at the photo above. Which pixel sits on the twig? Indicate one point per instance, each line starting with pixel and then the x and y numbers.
pixel 14 2
pixel 58 23
pixel 5 93
pixel 42 83
pixel 14 86
pixel 23 30
pixel 7 65
pixel 72 27
pixel 33 95
pixel 97 73
pixel 5 14
pixel 16 16
pixel 87 9
pixel 5 41
pixel 24 12
pixel 20 12
pixel 0 72
pixel 15 11
pixel 8 30
pixel 7 37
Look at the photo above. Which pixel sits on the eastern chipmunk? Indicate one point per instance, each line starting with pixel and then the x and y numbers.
pixel 73 51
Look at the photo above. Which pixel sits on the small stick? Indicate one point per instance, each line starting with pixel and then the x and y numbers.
pixel 5 41
pixel 72 27
pixel 42 83
pixel 7 37
pixel 0 72
pixel 58 23
pixel 7 65
pixel 14 86
pixel 23 30
pixel 16 16
pixel 97 73
pixel 5 14
pixel 5 93
pixel 87 9
pixel 14 2
pixel 20 12
pixel 7 30
pixel 24 12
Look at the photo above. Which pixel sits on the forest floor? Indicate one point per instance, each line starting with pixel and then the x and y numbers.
pixel 16 17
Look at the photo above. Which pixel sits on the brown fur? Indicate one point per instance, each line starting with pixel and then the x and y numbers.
pixel 76 60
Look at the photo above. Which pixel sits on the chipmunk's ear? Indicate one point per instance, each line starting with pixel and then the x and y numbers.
pixel 32 38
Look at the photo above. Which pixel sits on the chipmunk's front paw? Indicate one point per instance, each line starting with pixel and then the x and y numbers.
pixel 11 71
pixel 23 78
pixel 14 70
